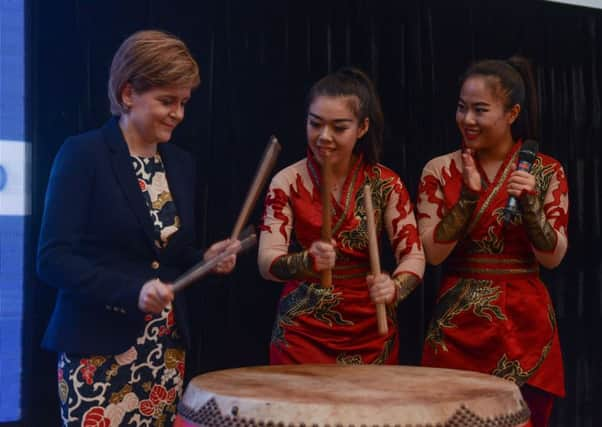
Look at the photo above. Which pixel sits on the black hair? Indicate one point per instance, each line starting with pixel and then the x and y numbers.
pixel 514 82
pixel 351 81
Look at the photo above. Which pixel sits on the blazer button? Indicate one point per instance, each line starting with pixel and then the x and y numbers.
pixel 155 265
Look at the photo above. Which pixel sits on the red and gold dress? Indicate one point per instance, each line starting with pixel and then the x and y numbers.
pixel 493 314
pixel 315 324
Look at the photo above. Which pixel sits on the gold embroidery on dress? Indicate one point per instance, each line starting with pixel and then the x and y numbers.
pixel 498 271
pixel 467 294
pixel 512 370
pixel 543 176
pixel 494 191
pixel 356 359
pixel 293 266
pixel 381 188
pixel 336 227
pixel 491 244
pixel 539 229
pixel 349 359
pixel 405 284
pixel 454 223
pixel 307 299
pixel 384 355
pixel 499 214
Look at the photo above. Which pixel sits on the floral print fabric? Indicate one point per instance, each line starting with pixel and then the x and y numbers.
pixel 153 184
pixel 140 387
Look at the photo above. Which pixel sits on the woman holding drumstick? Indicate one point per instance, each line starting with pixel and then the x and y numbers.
pixel 118 227
pixel 317 323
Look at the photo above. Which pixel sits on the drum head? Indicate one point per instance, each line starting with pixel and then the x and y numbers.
pixel 334 395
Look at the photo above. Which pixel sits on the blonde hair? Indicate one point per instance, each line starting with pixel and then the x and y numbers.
pixel 149 59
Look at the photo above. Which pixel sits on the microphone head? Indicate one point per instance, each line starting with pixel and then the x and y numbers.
pixel 528 151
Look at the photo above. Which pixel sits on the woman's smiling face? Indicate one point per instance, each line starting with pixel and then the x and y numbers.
pixel 482 116
pixel 155 113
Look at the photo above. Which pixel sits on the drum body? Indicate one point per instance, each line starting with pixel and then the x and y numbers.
pixel 335 395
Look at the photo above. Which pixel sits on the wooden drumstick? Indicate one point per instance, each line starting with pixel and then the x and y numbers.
pixel 204 267
pixel 268 161
pixel 381 313
pixel 326 275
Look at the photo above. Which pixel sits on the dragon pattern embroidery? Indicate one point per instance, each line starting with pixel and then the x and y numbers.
pixel 307 299
pixel 468 294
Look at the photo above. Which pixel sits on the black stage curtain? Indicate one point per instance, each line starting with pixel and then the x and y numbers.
pixel 258 58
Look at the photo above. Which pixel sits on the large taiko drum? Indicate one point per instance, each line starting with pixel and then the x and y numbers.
pixel 335 395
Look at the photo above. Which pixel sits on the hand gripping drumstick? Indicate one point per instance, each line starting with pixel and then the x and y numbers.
pixel 203 267
pixel 381 314
pixel 268 161
pixel 326 275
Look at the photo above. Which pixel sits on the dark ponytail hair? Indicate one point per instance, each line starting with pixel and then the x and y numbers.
pixel 514 82
pixel 351 81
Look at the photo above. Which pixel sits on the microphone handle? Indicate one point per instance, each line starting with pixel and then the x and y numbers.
pixel 512 209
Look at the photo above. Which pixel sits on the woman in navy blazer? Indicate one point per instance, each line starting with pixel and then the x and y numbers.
pixel 118 227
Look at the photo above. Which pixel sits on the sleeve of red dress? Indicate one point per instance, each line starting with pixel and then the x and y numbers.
pixel 555 208
pixel 276 227
pixel 430 210
pixel 400 223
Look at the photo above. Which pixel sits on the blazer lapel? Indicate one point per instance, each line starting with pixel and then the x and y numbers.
pixel 124 173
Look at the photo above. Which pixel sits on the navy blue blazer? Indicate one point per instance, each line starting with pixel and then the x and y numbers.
pixel 97 245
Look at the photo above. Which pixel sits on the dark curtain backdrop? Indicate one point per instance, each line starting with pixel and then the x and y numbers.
pixel 258 58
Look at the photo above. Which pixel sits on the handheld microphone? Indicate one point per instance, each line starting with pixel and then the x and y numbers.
pixel 526 156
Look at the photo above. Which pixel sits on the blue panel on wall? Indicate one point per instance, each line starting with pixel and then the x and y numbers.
pixel 12 70
pixel 11 311
pixel 13 203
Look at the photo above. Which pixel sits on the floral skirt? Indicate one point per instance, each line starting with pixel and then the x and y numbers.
pixel 140 387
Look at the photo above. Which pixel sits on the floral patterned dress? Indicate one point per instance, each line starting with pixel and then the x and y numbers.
pixel 315 324
pixel 142 386
pixel 493 313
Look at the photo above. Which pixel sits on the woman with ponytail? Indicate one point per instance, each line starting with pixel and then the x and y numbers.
pixel 493 314
pixel 316 323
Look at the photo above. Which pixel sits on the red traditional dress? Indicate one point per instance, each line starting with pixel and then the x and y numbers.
pixel 493 313
pixel 335 325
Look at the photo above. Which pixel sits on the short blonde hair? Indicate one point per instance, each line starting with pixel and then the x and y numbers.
pixel 149 59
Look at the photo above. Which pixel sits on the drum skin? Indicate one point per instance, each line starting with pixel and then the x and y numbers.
pixel 339 395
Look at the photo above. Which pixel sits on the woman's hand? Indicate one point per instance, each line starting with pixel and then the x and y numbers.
pixel 520 182
pixel 226 265
pixel 470 173
pixel 154 296
pixel 382 288
pixel 323 255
